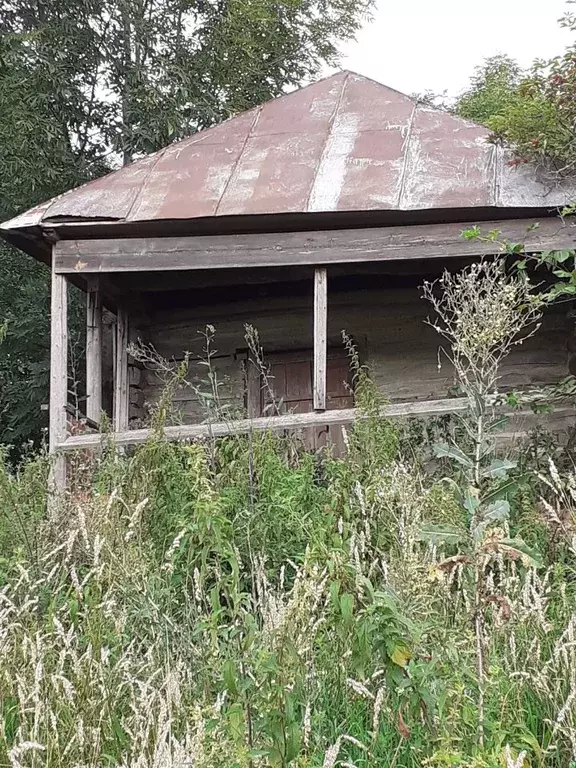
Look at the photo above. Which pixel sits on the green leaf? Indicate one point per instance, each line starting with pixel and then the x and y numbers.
pixel 235 716
pixel 471 234
pixel 444 533
pixel 518 547
pixel 542 407
pixel 561 256
pixel 470 501
pixel 508 486
pixel 445 450
pixel 292 741
pixel 334 592
pixel 347 607
pixel 230 674
pixel 512 399
pixel 401 655
pixel 497 512
pixel 499 468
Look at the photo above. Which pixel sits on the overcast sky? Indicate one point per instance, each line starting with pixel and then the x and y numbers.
pixel 420 45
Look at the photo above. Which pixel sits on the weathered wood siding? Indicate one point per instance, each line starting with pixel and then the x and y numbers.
pixel 388 326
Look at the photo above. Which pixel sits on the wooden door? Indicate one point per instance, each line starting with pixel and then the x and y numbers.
pixel 290 391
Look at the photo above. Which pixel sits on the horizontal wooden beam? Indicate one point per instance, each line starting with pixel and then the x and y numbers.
pixel 292 421
pixel 425 241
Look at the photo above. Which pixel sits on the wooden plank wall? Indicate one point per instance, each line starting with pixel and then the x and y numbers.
pixel 389 326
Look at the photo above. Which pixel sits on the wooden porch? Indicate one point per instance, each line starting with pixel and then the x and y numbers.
pixel 106 267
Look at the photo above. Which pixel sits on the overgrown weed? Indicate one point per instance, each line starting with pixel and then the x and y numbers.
pixel 244 603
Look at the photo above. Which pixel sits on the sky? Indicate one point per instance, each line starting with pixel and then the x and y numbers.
pixel 434 45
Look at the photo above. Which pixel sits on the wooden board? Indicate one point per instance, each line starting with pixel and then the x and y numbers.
pixel 93 349
pixel 320 337
pixel 399 347
pixel 58 378
pixel 292 421
pixel 121 387
pixel 562 418
pixel 424 241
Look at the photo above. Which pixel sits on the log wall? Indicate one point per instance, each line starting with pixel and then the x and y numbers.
pixel 388 326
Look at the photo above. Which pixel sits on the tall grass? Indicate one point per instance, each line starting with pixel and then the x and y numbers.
pixel 246 604
pixel 243 603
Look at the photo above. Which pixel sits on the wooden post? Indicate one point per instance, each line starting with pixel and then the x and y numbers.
pixel 93 349
pixel 121 388
pixel 320 336
pixel 58 379
pixel 253 389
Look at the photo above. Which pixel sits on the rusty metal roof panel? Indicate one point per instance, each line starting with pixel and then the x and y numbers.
pixel 193 174
pixel 110 197
pixel 449 164
pixel 273 177
pixel 364 162
pixel 345 143
pixel 308 110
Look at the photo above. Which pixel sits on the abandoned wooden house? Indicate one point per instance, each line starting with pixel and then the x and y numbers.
pixel 320 211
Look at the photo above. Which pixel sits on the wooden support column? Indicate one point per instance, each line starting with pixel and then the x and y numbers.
pixel 93 349
pixel 58 379
pixel 121 387
pixel 320 336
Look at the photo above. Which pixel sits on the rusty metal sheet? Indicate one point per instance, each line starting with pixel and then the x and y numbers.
pixel 345 143
pixel 371 106
pixel 192 175
pixel 110 197
pixel 308 110
pixel 449 164
pixel 363 165
pixel 273 177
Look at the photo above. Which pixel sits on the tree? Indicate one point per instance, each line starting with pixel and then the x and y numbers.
pixel 37 161
pixel 132 75
pixel 88 84
pixel 492 87
pixel 533 112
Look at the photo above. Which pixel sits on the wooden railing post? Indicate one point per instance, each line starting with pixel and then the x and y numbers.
pixel 320 336
pixel 58 380
pixel 93 349
pixel 121 388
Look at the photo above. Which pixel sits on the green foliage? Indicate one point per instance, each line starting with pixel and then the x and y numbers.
pixel 22 504
pixel 491 90
pixel 133 76
pixel 24 348
pixel 181 593
pixel 87 85
pixel 374 440
pixel 532 112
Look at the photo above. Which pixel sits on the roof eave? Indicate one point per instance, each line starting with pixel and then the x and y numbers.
pixel 36 240
pixel 30 240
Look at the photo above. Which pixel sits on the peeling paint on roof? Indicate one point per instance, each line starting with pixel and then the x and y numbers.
pixel 345 143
